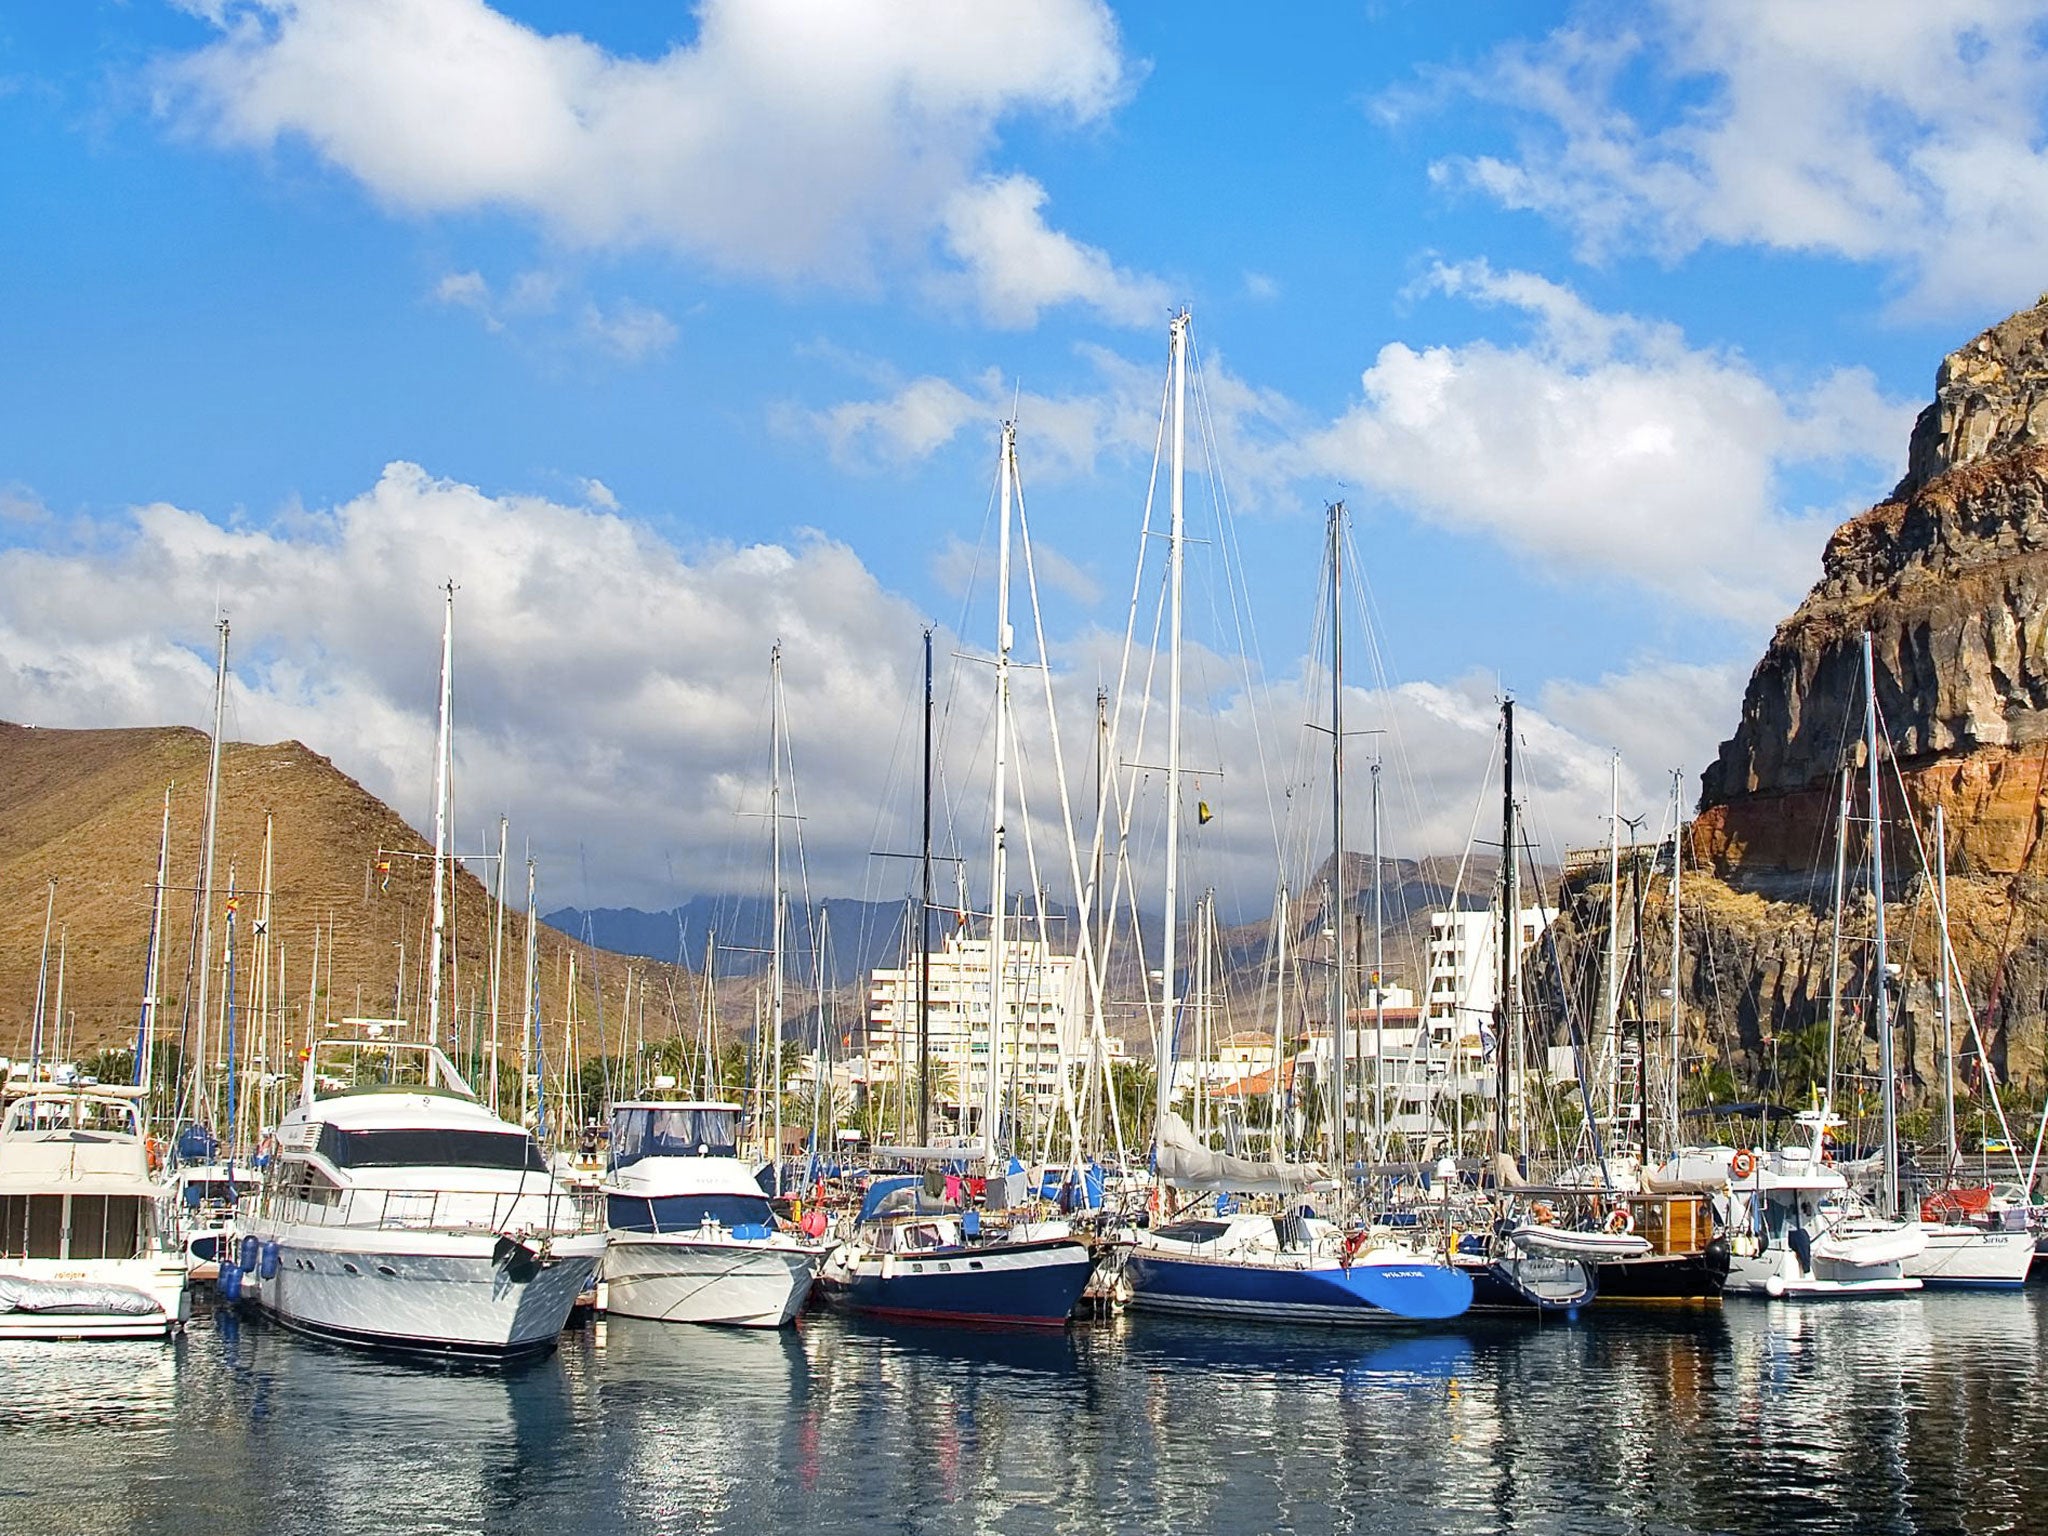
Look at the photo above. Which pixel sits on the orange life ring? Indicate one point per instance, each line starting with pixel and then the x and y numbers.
pixel 1742 1165
pixel 1620 1220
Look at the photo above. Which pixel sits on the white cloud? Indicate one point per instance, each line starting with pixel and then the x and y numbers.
pixel 1606 446
pixel 1889 131
pixel 610 690
pixel 626 330
pixel 1017 265
pixel 629 331
pixel 805 140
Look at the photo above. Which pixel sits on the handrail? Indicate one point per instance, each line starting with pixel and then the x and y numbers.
pixel 454 1210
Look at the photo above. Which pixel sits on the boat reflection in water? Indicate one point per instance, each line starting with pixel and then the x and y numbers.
pixel 1913 1413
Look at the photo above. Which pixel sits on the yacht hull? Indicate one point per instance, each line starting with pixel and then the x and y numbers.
pixel 680 1280
pixel 1679 1279
pixel 437 1293
pixel 1364 1295
pixel 1973 1258
pixel 1029 1284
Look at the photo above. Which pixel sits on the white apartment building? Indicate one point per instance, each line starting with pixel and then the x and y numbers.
pixel 1043 1024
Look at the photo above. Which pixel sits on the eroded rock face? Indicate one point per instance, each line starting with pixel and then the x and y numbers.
pixel 1951 580
pixel 1989 400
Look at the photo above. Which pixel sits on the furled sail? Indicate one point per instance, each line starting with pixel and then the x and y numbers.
pixel 1186 1164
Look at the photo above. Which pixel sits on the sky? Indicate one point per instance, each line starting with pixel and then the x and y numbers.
pixel 669 332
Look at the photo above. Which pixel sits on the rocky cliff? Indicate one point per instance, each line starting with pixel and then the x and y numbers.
pixel 1949 577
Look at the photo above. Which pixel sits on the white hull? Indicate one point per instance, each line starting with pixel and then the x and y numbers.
pixel 162 1281
pixel 692 1280
pixel 431 1291
pixel 1972 1256
pixel 1777 1274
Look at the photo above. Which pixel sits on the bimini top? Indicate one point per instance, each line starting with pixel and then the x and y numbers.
pixel 902 1196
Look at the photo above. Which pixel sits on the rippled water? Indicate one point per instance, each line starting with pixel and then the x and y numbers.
pixel 1916 1414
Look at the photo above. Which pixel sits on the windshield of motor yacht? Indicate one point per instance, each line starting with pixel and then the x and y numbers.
pixel 430 1147
pixel 47 1110
pixel 657 1130
pixel 687 1213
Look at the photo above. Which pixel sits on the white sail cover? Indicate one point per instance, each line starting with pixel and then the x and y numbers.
pixel 1186 1164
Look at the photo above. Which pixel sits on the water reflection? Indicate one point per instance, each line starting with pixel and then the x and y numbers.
pixel 1912 1414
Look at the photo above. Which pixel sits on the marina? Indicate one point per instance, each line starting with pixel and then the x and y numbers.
pixel 812 766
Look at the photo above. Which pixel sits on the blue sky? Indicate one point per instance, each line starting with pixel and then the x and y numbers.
pixel 673 329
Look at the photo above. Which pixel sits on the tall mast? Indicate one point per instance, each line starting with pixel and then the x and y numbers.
pixel 203 1107
pixel 35 1035
pixel 773 1077
pixel 145 1034
pixel 1884 1004
pixel 1510 922
pixel 1610 1044
pixel 1379 979
pixel 260 1037
pixel 1948 1039
pixel 441 823
pixel 1677 862
pixel 924 922
pixel 529 1019
pixel 1163 1047
pixel 498 957
pixel 1835 954
pixel 991 1114
pixel 1339 979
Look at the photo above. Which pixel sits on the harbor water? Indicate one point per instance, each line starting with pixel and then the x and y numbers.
pixel 1912 1414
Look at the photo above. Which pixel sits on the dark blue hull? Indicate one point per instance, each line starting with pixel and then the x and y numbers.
pixel 1530 1285
pixel 1032 1284
pixel 1364 1295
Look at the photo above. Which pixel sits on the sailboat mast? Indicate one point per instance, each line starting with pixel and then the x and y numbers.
pixel 1510 919
pixel 1379 979
pixel 1948 1038
pixel 145 1035
pixel 991 1114
pixel 924 922
pixel 1340 956
pixel 772 1078
pixel 1883 981
pixel 441 823
pixel 498 956
pixel 1677 952
pixel 35 1034
pixel 1610 1041
pixel 203 1097
pixel 1162 1056
pixel 528 1020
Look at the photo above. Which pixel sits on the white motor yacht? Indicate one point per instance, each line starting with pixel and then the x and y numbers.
pixel 690 1237
pixel 1795 1235
pixel 400 1212
pixel 80 1251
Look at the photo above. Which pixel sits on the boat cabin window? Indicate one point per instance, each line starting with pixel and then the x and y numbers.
pixel 638 1133
pixel 101 1226
pixel 1193 1231
pixel 423 1148
pixel 686 1213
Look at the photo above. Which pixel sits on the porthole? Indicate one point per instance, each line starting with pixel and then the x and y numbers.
pixel 350 1267
pixel 386 1269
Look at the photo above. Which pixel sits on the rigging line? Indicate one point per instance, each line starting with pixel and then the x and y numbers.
pixel 1084 927
pixel 1237 590
pixel 1949 962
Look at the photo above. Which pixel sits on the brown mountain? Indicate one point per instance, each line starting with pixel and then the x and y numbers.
pixel 84 809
